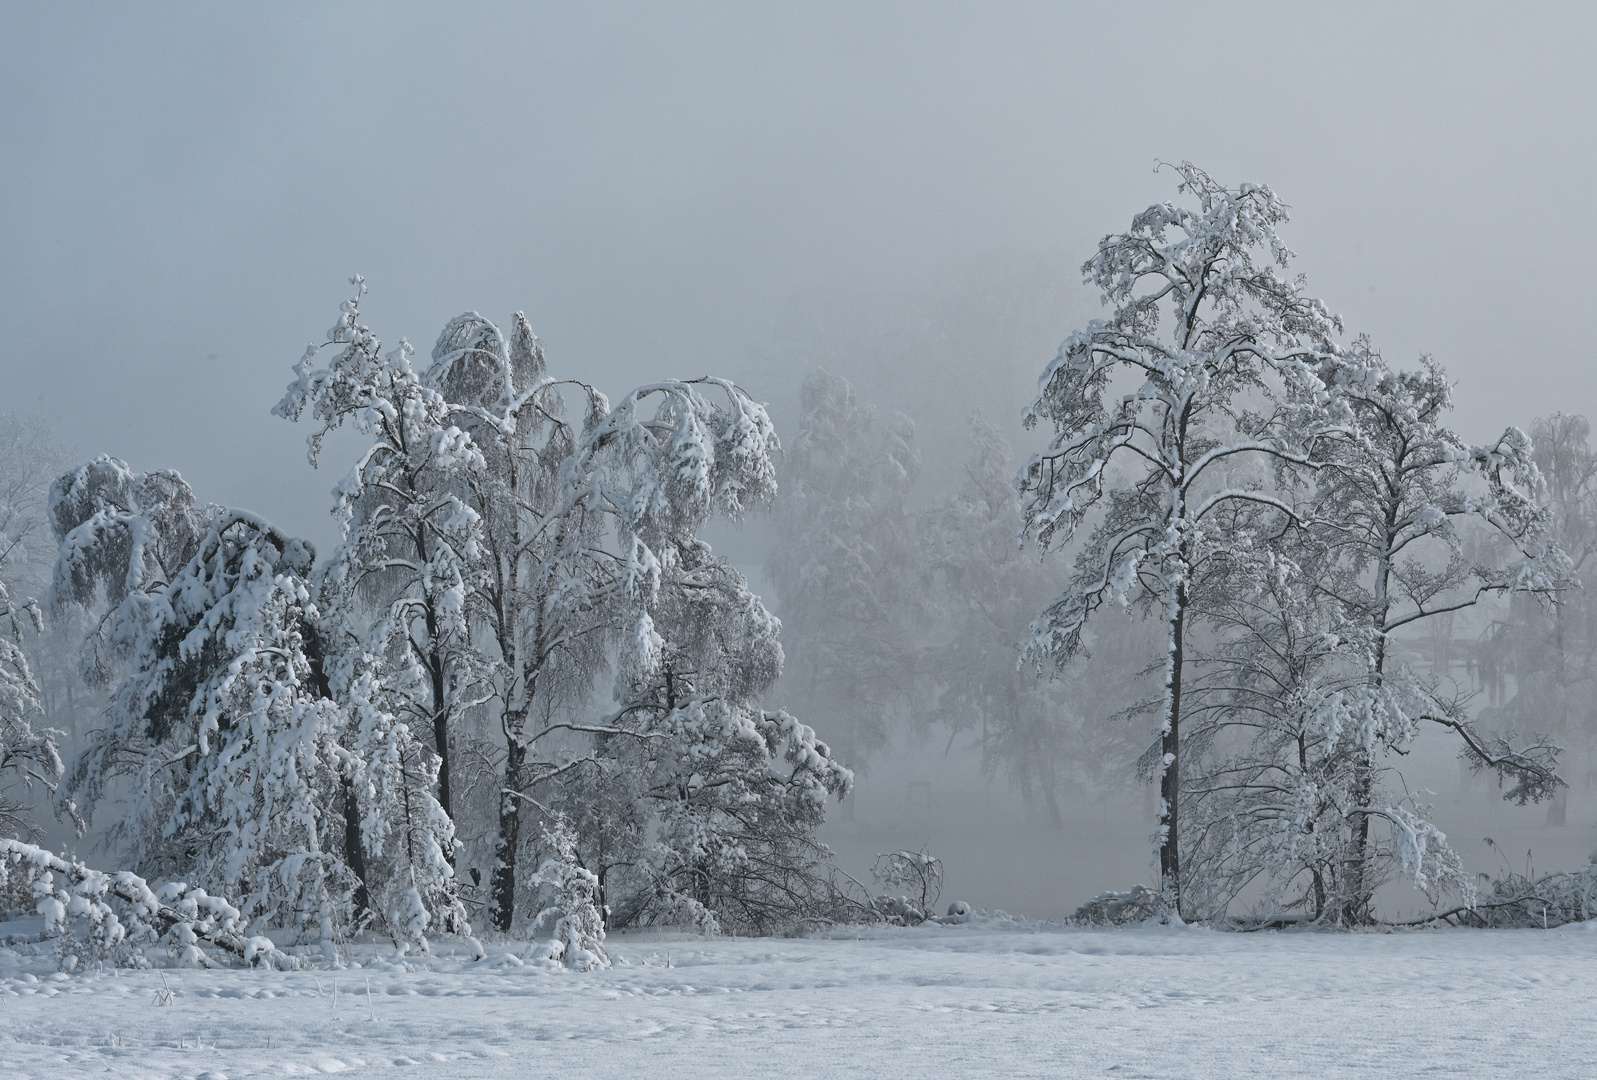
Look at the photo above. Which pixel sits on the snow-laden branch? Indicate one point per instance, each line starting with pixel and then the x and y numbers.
pixel 75 902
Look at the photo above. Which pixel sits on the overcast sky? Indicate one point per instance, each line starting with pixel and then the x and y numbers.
pixel 184 190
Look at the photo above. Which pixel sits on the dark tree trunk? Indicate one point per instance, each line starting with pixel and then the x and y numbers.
pixel 503 886
pixel 1170 778
pixel 355 849
pixel 435 670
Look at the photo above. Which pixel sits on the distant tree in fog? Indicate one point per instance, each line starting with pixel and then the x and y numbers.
pixel 845 566
pixel 1044 734
pixel 35 685
pixel 1550 650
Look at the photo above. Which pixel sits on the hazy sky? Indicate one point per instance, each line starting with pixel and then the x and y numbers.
pixel 184 190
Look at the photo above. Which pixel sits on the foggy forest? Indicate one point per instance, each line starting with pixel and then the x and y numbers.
pixel 513 525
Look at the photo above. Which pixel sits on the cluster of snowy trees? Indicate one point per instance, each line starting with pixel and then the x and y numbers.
pixel 521 653
pixel 1265 510
pixel 1283 504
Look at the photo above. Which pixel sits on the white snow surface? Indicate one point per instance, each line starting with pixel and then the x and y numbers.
pixel 989 999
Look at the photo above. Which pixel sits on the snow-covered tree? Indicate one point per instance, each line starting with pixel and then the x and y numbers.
pixel 558 538
pixel 844 564
pixel 1299 705
pixel 1394 501
pixel 1277 743
pixel 226 747
pixel 412 543
pixel 572 913
pixel 1211 363
pixel 710 801
pixel 30 755
pixel 238 768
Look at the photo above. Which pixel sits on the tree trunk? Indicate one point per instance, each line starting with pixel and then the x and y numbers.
pixel 1053 803
pixel 503 886
pixel 1558 807
pixel 1170 764
pixel 1358 896
pixel 441 738
pixel 435 671
pixel 355 850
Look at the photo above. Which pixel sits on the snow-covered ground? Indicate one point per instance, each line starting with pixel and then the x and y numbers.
pixel 980 1000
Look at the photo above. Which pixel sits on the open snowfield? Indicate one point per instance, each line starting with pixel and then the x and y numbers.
pixel 937 1002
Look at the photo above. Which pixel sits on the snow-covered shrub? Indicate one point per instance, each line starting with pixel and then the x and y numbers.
pixel 571 889
pixel 918 875
pixel 1512 899
pixel 1139 904
pixel 92 915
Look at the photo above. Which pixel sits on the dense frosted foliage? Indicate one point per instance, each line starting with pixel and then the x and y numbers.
pixel 511 539
pixel 234 764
